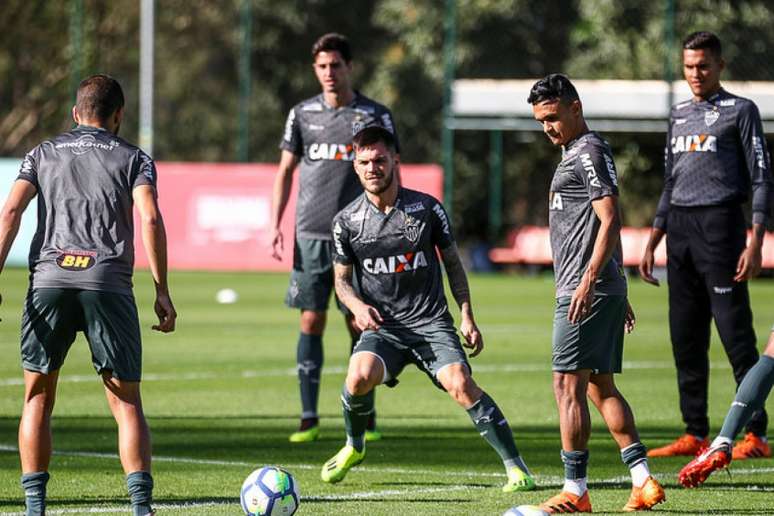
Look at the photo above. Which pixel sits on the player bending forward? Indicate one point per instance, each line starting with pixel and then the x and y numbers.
pixel 389 236
pixel 751 396
pixel 591 306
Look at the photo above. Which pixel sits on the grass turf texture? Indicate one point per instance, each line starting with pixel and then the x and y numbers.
pixel 221 397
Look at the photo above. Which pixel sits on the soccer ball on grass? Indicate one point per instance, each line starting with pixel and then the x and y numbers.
pixel 269 491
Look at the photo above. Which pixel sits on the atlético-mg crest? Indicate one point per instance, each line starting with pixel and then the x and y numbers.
pixel 710 117
pixel 412 230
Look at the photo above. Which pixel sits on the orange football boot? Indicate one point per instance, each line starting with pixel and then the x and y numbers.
pixel 752 447
pixel 645 497
pixel 686 444
pixel 696 472
pixel 567 502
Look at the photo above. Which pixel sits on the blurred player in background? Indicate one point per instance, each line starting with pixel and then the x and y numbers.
pixel 750 397
pixel 591 305
pixel 318 135
pixel 389 238
pixel 715 151
pixel 81 260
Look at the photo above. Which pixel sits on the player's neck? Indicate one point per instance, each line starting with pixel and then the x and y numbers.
pixel 385 201
pixel 709 94
pixel 338 99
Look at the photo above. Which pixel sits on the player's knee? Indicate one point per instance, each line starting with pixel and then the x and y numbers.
pixel 461 386
pixel 313 323
pixel 361 380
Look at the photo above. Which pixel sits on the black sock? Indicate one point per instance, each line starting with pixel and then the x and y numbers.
pixel 750 396
pixel 575 464
pixel 34 485
pixel 309 359
pixel 140 486
pixel 356 412
pixel 493 427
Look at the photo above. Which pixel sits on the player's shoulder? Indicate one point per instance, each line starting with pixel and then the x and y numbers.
pixel 725 99
pixel 311 105
pixel 680 108
pixel 592 143
pixel 413 201
pixel 369 105
pixel 355 211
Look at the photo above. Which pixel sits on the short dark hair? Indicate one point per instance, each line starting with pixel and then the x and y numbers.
pixel 556 86
pixel 98 97
pixel 372 135
pixel 702 40
pixel 333 42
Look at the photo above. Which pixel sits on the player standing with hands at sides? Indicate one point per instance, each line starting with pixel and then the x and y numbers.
pixel 388 239
pixel 591 306
pixel 715 151
pixel 81 261
pixel 318 136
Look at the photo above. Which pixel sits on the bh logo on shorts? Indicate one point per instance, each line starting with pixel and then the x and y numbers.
pixel 76 260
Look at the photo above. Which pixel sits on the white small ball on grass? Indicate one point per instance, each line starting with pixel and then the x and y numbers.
pixel 226 296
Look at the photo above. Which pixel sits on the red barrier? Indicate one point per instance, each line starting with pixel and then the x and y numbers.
pixel 217 215
pixel 531 245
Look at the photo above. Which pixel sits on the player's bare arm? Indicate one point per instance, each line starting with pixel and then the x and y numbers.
pixel 749 264
pixel 458 283
pixel 366 317
pixel 20 196
pixel 280 195
pixel 648 256
pixel 608 238
pixel 154 237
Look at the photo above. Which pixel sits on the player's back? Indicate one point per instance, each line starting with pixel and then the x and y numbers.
pixel 84 180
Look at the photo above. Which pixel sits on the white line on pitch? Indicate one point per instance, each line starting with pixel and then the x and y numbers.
pixel 338 370
pixel 545 480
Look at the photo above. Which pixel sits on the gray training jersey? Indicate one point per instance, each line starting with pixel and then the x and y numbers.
pixel 85 236
pixel 586 173
pixel 715 151
pixel 394 256
pixel 322 137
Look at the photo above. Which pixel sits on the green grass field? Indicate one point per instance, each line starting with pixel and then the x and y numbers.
pixel 221 397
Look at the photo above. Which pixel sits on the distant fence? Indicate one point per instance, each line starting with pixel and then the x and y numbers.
pixel 531 245
pixel 217 215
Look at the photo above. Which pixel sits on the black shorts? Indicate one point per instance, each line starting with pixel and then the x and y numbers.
pixel 311 281
pixel 53 316
pixel 430 348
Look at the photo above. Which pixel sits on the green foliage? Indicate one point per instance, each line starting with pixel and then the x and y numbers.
pixel 398 61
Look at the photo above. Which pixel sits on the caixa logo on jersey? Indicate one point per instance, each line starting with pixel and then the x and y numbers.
pixel 694 143
pixel 331 151
pixel 394 264
pixel 76 260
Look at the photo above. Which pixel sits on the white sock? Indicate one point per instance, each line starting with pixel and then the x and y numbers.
pixel 640 473
pixel 721 441
pixel 576 486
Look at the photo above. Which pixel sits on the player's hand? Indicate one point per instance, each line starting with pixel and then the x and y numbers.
pixel 582 299
pixel 646 268
pixel 166 313
pixel 629 319
pixel 368 318
pixel 277 242
pixel 472 337
pixel 749 264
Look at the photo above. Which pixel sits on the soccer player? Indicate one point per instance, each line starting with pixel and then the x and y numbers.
pixel 318 135
pixel 388 239
pixel 87 182
pixel 592 311
pixel 750 397
pixel 715 151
